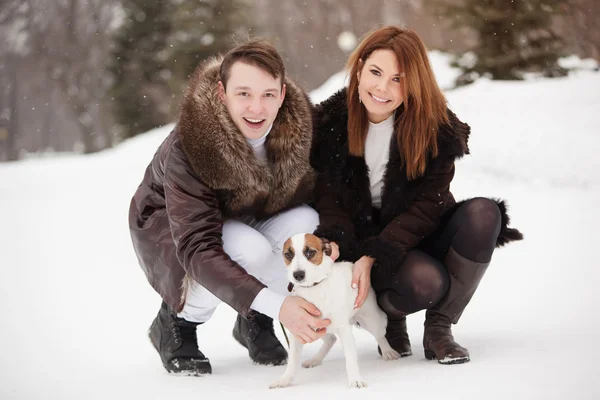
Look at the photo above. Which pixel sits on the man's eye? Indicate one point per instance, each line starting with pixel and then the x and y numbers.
pixel 243 94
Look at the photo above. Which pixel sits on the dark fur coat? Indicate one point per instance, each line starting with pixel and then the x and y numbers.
pixel 410 210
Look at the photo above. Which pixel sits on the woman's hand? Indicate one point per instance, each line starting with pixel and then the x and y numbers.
pixel 361 278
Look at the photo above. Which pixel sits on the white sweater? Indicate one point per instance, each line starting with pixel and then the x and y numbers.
pixel 267 301
pixel 377 154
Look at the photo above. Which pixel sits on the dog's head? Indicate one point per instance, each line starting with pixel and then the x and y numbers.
pixel 307 259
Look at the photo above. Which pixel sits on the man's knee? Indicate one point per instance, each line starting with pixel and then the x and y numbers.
pixel 302 219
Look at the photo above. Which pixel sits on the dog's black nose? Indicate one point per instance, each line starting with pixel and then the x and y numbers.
pixel 299 275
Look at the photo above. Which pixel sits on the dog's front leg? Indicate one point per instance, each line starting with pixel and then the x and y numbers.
pixel 349 345
pixel 292 364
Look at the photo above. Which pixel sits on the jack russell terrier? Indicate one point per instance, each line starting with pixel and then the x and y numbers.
pixel 327 284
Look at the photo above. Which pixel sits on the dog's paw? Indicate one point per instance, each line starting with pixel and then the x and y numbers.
pixel 390 354
pixel 358 384
pixel 311 363
pixel 281 383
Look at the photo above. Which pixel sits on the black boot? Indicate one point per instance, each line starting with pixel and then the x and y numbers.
pixel 257 335
pixel 438 340
pixel 395 330
pixel 176 341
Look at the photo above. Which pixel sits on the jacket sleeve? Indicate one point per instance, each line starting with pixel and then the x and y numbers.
pixel 420 219
pixel 197 228
pixel 335 223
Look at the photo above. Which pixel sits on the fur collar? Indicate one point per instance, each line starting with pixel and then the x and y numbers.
pixel 222 157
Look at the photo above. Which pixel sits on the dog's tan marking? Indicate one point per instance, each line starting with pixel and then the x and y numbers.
pixel 288 252
pixel 313 250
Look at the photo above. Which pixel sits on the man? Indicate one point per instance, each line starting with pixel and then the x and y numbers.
pixel 222 194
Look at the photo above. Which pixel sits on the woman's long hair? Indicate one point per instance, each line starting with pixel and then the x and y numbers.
pixel 424 105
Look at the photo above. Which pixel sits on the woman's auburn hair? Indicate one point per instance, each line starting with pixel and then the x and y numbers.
pixel 423 110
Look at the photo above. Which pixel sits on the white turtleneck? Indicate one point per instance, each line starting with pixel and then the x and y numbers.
pixel 377 154
pixel 266 301
pixel 258 145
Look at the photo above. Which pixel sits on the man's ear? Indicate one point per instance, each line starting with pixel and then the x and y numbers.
pixel 326 246
pixel 282 94
pixel 221 90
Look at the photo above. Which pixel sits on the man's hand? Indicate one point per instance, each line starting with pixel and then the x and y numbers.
pixel 361 278
pixel 299 317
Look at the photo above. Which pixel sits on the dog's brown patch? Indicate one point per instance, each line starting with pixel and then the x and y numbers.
pixel 288 252
pixel 313 249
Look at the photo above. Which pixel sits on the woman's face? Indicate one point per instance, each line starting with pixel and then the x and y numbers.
pixel 379 86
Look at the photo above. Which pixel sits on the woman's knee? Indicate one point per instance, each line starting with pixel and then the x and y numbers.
pixel 419 284
pixel 483 217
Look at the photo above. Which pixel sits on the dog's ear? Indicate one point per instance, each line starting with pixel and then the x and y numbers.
pixel 290 286
pixel 326 245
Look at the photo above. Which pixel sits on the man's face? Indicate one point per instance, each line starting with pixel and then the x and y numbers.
pixel 252 98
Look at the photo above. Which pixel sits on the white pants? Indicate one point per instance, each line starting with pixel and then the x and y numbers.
pixel 256 246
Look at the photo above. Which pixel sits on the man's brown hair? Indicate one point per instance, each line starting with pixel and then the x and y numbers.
pixel 257 52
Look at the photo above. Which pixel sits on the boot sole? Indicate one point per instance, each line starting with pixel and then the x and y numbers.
pixel 430 355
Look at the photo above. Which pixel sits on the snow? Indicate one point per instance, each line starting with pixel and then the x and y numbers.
pixel 76 306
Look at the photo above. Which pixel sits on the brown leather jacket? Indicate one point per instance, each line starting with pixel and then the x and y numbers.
pixel 205 172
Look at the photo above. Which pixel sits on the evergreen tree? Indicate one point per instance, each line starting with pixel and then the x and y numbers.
pixel 203 28
pixel 514 37
pixel 139 84
pixel 159 46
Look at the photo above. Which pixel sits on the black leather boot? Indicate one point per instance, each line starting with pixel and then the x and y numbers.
pixel 395 331
pixel 438 340
pixel 176 341
pixel 257 335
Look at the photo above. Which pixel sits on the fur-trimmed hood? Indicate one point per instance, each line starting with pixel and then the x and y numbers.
pixel 223 159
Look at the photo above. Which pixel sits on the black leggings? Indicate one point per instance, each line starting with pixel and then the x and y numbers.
pixel 422 279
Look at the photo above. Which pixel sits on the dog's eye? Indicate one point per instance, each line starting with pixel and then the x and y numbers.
pixel 310 253
pixel 288 255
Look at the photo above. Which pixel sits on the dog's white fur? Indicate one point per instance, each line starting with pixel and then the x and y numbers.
pixel 335 298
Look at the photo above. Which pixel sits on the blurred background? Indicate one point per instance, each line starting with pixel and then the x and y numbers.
pixel 84 75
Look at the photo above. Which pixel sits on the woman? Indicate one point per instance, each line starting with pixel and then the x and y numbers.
pixel 385 149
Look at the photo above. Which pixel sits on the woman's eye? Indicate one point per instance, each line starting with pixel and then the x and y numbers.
pixel 375 72
pixel 396 79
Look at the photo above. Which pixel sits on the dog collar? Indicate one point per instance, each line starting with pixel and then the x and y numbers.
pixel 291 285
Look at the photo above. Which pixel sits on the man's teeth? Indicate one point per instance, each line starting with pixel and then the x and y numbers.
pixel 254 121
pixel 379 99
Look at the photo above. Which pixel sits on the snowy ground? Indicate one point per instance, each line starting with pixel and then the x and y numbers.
pixel 76 307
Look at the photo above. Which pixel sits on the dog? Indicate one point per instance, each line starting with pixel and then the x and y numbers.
pixel 314 276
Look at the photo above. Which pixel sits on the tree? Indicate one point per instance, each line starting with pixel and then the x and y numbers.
pixel 158 47
pixel 514 37
pixel 138 91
